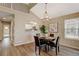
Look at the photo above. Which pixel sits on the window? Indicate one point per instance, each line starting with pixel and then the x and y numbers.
pixel 71 28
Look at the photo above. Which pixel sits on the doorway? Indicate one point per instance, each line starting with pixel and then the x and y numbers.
pixel 6 33
pixel 6 29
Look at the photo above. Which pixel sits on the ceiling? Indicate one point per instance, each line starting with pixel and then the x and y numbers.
pixel 4 16
pixel 30 5
pixel 55 9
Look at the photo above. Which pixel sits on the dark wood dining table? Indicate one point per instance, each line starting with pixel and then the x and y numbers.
pixel 47 38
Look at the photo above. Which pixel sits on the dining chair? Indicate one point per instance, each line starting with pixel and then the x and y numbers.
pixel 51 35
pixel 55 44
pixel 39 44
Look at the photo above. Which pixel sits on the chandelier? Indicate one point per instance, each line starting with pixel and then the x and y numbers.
pixel 46 17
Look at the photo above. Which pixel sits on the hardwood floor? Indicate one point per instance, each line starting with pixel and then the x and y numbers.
pixel 28 50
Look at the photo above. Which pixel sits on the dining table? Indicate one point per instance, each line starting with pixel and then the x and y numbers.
pixel 47 40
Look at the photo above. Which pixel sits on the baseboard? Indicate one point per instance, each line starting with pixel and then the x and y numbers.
pixel 73 47
pixel 21 43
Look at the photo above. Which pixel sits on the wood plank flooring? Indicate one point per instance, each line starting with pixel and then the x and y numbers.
pixel 28 50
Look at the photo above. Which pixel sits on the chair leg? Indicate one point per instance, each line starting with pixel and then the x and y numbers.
pixel 35 48
pixel 56 50
pixel 46 48
pixel 39 50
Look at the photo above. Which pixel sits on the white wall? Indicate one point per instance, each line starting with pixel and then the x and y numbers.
pixel 74 43
pixel 20 35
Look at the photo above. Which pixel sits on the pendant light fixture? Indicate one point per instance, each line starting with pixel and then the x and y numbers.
pixel 46 17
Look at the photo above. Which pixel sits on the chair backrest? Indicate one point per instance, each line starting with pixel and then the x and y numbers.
pixel 36 40
pixel 51 35
pixel 57 40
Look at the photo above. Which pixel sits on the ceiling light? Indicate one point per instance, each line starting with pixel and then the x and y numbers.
pixel 3 18
pixel 6 28
pixel 46 17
